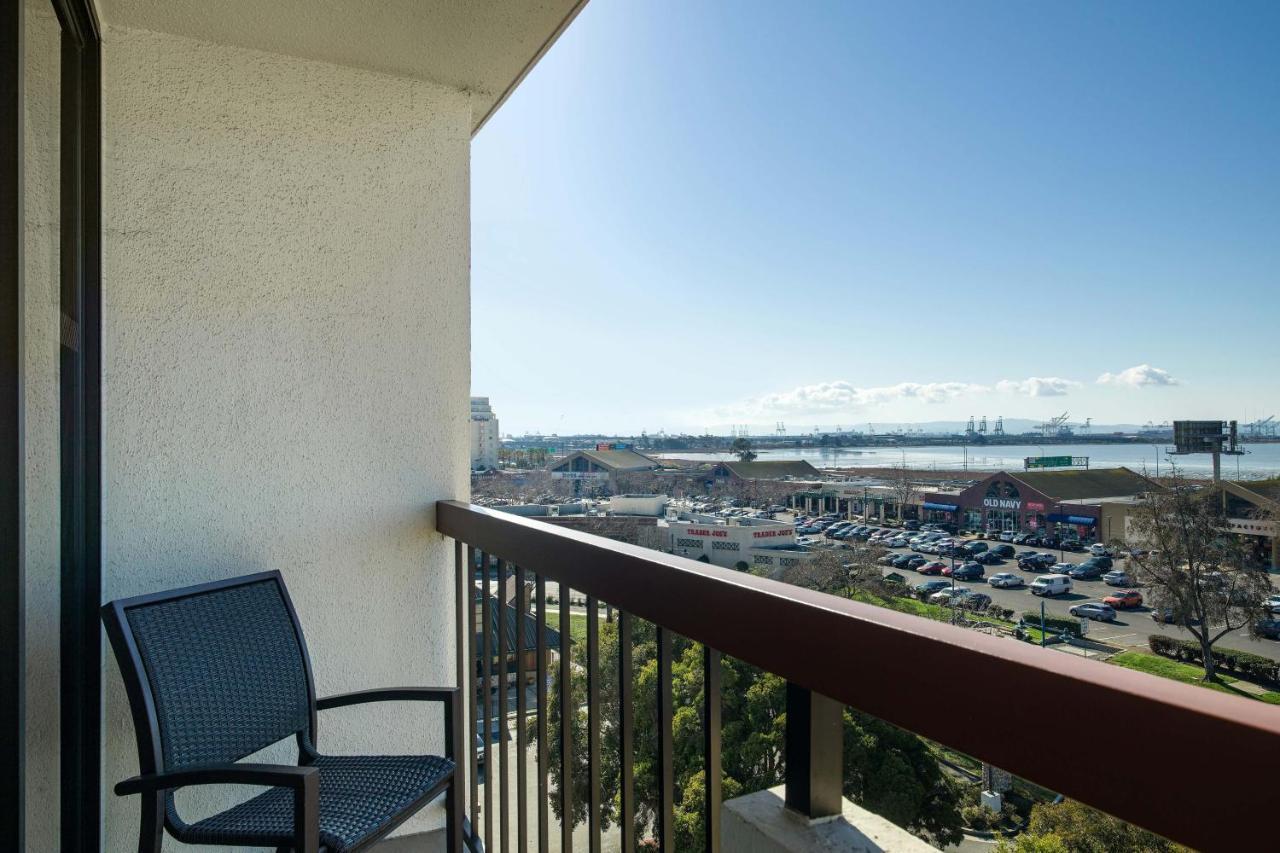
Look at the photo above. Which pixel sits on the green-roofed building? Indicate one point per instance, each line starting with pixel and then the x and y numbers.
pixel 779 469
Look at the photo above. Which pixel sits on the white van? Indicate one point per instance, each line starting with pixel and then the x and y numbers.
pixel 1051 585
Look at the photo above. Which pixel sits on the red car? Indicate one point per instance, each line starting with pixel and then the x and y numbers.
pixel 1124 600
pixel 937 567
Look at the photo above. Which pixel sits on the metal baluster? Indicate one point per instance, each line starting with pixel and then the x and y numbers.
pixel 626 735
pixel 566 725
pixel 486 616
pixel 593 726
pixel 504 754
pixel 666 756
pixel 522 671
pixel 711 745
pixel 470 711
pixel 540 708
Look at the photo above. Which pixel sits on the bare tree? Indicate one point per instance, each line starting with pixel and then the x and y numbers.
pixel 904 490
pixel 824 571
pixel 1194 566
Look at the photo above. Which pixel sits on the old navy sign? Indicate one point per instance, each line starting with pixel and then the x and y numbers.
pixel 1002 503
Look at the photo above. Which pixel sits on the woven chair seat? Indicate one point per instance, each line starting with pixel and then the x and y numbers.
pixel 359 795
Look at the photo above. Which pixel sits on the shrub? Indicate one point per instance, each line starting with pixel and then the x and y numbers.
pixel 1246 664
pixel 1052 624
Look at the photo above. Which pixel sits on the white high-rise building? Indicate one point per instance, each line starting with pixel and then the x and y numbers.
pixel 484 435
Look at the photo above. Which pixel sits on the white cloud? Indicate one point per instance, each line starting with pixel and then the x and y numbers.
pixel 833 397
pixel 1138 377
pixel 1037 386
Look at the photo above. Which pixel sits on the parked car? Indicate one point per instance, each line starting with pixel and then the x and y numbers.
pixel 936 567
pixel 897 542
pixel 968 571
pixel 1007 536
pixel 1104 562
pixel 1085 571
pixel 929 587
pixel 1267 628
pixel 976 547
pixel 914 561
pixel 1021 538
pixel 1124 600
pixel 1004 549
pixel 975 601
pixel 1272 604
pixel 1051 585
pixel 1166 616
pixel 948 595
pixel 1006 580
pixel 1117 577
pixel 1095 610
pixel 911 524
pixel 990 558
pixel 1097 549
pixel 895 578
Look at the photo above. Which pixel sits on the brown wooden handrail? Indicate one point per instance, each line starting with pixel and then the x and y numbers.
pixel 1017 706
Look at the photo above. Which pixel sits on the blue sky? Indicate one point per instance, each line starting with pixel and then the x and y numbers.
pixel 696 214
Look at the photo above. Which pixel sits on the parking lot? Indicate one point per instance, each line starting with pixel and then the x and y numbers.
pixel 1131 627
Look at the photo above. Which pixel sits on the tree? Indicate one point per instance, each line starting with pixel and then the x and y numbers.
pixel 1073 827
pixel 1194 566
pixel 887 770
pixel 742 447
pixel 904 490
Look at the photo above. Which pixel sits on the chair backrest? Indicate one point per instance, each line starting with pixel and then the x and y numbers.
pixel 214 672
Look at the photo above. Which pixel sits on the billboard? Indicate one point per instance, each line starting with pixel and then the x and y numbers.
pixel 1205 437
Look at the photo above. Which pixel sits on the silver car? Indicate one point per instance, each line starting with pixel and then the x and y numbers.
pixel 1007 580
pixel 1094 610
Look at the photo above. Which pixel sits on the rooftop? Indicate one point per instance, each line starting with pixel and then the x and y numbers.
pixel 772 469
pixel 1095 483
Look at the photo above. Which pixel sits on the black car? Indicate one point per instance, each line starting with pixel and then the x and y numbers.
pixel 1267 628
pixel 1004 549
pixel 968 572
pixel 990 558
pixel 1021 538
pixel 1086 571
pixel 975 547
pixel 911 524
pixel 958 551
pixel 1105 563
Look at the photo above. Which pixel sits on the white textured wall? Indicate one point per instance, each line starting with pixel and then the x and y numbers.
pixel 286 358
pixel 41 312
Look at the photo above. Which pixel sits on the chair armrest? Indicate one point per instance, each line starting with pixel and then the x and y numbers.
pixel 450 697
pixel 388 694
pixel 304 781
pixel 275 775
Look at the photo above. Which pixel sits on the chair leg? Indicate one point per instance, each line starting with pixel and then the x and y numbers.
pixel 151 828
pixel 453 813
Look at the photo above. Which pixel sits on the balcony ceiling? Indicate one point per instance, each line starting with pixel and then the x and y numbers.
pixel 481 46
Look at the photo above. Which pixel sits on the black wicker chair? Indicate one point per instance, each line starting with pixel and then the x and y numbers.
pixel 217 672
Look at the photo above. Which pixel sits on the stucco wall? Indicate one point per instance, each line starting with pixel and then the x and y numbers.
pixel 286 359
pixel 40 358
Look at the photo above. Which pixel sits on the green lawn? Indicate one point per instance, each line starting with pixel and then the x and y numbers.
pixel 577 625
pixel 1186 673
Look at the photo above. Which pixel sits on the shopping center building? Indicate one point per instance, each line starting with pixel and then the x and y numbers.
pixel 1065 502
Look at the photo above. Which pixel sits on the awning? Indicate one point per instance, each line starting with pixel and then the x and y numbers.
pixel 1073 519
pixel 941 507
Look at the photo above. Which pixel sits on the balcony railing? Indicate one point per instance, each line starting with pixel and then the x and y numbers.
pixel 1019 707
